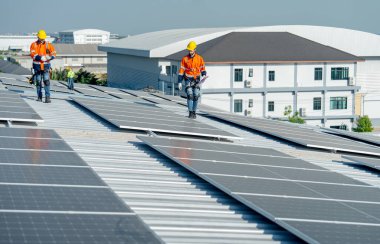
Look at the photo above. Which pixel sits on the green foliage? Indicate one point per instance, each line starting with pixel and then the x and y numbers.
pixel 81 76
pixel 58 74
pixel 85 77
pixel 363 124
pixel 295 118
pixel 288 110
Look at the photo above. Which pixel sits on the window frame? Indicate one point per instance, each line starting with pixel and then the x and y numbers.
pixel 318 73
pixel 238 102
pixel 271 75
pixel 271 106
pixel 340 73
pixel 238 73
pixel 315 103
pixel 338 103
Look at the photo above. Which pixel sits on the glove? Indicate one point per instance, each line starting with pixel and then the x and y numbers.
pixel 180 86
pixel 204 73
pixel 52 57
pixel 37 58
pixel 43 58
pixel 180 78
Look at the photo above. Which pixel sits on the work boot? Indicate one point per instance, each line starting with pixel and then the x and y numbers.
pixel 190 115
pixel 39 99
pixel 47 100
pixel 194 115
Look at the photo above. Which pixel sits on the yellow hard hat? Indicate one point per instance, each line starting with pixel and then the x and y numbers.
pixel 191 46
pixel 41 34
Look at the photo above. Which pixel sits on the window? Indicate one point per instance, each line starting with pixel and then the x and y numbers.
pixel 339 73
pixel 270 106
pixel 74 59
pixel 174 69
pixel 271 75
pixel 168 70
pixel 338 103
pixel 238 105
pixel 317 101
pixel 339 127
pixel 238 74
pixel 250 103
pixel 318 74
pixel 250 73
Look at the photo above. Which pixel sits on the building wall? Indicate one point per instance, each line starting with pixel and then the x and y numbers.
pixel 132 72
pixel 284 75
pixel 339 122
pixel 281 100
pixel 305 100
pixel 220 101
pixel 305 75
pixel 19 42
pixel 330 82
pixel 350 105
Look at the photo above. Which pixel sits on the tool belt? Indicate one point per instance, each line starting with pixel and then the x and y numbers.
pixel 192 82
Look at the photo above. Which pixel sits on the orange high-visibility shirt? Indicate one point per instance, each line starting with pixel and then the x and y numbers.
pixel 192 67
pixel 41 49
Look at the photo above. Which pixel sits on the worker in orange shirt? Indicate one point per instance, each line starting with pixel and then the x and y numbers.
pixel 192 68
pixel 42 52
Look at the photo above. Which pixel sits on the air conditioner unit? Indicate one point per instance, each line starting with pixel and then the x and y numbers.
pixel 351 81
pixel 248 83
pixel 248 112
pixel 303 112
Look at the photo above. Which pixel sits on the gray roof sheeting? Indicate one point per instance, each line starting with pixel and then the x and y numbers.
pixel 11 68
pixel 265 47
pixel 78 49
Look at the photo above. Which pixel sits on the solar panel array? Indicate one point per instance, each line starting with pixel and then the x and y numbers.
pixel 148 117
pixel 14 108
pixel 118 93
pixel 14 82
pixel 364 137
pixel 50 195
pixel 366 161
pixel 149 97
pixel 317 205
pixel 299 135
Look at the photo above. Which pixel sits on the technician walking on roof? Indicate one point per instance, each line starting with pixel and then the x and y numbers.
pixel 42 53
pixel 192 68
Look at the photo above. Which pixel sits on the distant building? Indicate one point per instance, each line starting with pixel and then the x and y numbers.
pixel 18 43
pixel 85 36
pixel 315 76
pixel 85 56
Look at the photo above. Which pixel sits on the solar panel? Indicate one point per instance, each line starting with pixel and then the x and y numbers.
pixel 14 108
pixel 148 117
pixel 42 228
pixel 299 135
pixel 14 82
pixel 19 88
pixel 47 192
pixel 294 197
pixel 149 97
pixel 355 135
pixel 12 76
pixel 367 161
pixel 89 91
pixel 118 93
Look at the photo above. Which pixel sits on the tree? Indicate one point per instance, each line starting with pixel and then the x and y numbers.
pixel 295 118
pixel 363 124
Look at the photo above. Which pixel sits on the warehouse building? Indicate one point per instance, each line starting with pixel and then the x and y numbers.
pixel 85 36
pixel 259 77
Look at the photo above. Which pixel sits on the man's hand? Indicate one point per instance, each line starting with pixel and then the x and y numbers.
pixel 180 86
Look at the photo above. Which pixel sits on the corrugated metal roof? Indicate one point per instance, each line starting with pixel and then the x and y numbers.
pixel 177 205
pixel 265 47
pixel 78 49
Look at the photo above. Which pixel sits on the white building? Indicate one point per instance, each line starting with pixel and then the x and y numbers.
pixel 85 56
pixel 140 61
pixel 85 36
pixel 18 43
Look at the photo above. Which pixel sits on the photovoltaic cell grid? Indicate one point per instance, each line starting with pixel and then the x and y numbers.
pixel 148 117
pixel 366 161
pixel 149 97
pixel 299 135
pixel 12 76
pixel 118 93
pixel 14 82
pixel 301 197
pixel 50 195
pixel 14 108
pixel 354 135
